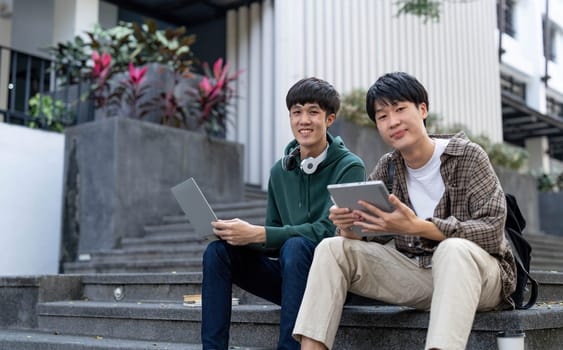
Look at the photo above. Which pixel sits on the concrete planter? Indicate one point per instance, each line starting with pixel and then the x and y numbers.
pixel 362 140
pixel 551 212
pixel 118 174
pixel 523 187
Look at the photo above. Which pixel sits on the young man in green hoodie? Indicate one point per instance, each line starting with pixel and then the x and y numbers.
pixel 272 261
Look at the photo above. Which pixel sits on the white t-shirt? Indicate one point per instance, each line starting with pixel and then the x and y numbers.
pixel 425 184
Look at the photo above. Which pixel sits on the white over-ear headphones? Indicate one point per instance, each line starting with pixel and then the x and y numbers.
pixel 309 165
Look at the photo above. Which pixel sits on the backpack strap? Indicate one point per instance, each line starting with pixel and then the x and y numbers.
pixel 533 282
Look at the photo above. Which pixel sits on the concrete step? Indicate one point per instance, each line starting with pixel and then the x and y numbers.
pixel 154 321
pixel 254 192
pixel 554 254
pixel 546 252
pixel 175 241
pixel 33 340
pixel 163 264
pixel 172 286
pixel 148 307
pixel 162 238
pixel 151 252
pixel 255 215
pixel 544 241
pixel 181 223
pixel 542 237
pixel 180 226
pixel 141 287
pixel 247 204
pixel 362 327
pixel 178 252
pixel 250 208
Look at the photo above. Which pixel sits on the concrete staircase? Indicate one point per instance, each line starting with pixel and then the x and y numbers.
pixel 169 246
pixel 131 298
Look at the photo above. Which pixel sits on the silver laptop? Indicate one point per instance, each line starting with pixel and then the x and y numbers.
pixel 195 206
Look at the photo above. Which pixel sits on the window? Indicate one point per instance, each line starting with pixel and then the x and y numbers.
pixel 505 16
pixel 554 106
pixel 550 35
pixel 514 87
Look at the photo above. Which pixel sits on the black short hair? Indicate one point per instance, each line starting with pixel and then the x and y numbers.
pixel 395 87
pixel 314 90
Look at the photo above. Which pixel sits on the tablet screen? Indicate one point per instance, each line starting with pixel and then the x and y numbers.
pixel 347 195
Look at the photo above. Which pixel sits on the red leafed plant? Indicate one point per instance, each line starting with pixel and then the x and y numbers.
pixel 101 73
pixel 131 91
pixel 213 96
pixel 203 107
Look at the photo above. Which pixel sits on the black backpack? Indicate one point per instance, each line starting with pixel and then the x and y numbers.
pixel 522 251
pixel 521 248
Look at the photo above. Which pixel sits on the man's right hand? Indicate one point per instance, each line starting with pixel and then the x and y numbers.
pixel 239 232
pixel 343 219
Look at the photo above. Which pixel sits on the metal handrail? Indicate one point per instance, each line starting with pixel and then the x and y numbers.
pixel 40 83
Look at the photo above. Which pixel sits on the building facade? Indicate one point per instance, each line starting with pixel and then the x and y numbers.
pixel 531 70
pixel 484 69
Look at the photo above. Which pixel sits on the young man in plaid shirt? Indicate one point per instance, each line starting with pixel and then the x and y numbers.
pixel 449 254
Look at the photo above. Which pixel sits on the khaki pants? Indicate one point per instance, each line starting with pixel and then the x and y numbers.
pixel 463 278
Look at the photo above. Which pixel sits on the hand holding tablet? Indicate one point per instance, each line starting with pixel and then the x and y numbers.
pixel 347 195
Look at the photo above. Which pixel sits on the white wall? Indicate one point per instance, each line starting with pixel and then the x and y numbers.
pixel 74 17
pixel 32 26
pixel 31 179
pixel 5 31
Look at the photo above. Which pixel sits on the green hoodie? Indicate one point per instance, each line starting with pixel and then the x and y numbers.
pixel 298 204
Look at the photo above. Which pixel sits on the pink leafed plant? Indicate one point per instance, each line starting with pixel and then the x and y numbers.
pixel 131 91
pixel 213 96
pixel 101 73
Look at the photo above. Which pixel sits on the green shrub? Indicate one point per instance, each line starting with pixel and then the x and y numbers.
pixel 115 61
pixel 353 108
pixel 47 113
pixel 125 43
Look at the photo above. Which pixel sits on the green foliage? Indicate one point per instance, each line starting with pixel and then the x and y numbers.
pixel 427 9
pixel 549 182
pixel 104 56
pixel 545 183
pixel 46 111
pixel 353 109
pixel 501 154
pixel 70 60
pixel 125 43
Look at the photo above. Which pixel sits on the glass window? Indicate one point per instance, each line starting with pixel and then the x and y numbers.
pixel 505 17
pixel 554 106
pixel 514 87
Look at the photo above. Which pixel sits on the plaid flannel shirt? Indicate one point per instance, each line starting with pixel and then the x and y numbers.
pixel 472 206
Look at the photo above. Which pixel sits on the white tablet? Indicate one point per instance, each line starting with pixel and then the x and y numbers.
pixel 347 195
pixel 195 206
